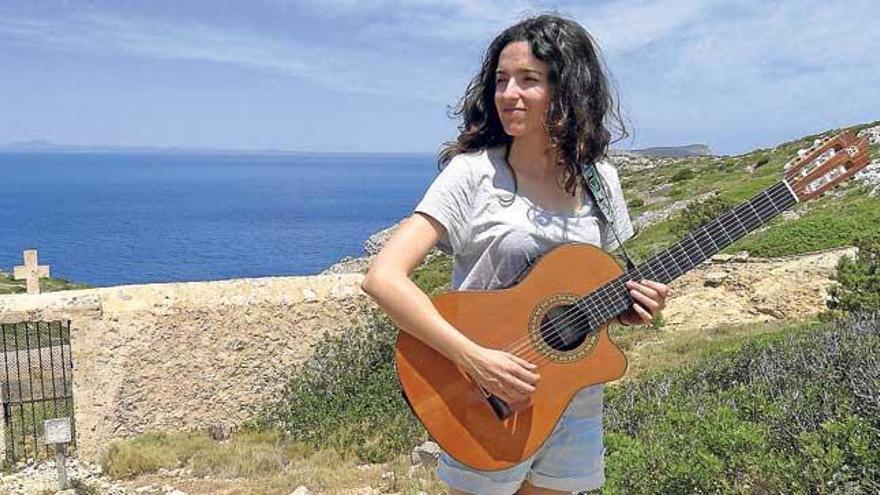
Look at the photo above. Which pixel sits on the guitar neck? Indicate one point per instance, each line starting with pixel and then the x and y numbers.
pixel 613 298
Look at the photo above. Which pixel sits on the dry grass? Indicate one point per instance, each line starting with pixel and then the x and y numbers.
pixel 151 452
pixel 257 463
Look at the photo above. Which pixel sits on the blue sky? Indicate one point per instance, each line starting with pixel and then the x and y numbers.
pixel 346 75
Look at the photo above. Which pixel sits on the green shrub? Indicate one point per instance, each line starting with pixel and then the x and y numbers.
pixel 346 397
pixel 676 193
pixel 730 163
pixel 801 415
pixel 636 202
pixel 700 213
pixel 683 174
pixel 824 224
pixel 859 278
pixel 435 276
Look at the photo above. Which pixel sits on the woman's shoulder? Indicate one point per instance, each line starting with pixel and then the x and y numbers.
pixel 476 163
pixel 608 171
pixel 606 167
pixel 477 156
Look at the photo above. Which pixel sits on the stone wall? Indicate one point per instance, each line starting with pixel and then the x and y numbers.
pixel 187 355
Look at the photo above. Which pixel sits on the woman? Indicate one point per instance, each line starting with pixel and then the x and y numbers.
pixel 509 191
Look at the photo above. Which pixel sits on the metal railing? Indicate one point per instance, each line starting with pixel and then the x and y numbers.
pixel 35 383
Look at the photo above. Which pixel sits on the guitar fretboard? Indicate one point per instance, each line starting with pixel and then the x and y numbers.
pixel 613 298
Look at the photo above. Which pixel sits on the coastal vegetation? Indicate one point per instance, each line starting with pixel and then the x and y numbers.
pixel 8 284
pixel 792 414
pixel 835 220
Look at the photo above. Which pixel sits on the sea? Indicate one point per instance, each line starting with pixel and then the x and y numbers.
pixel 113 218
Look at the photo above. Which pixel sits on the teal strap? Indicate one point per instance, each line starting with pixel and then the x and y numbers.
pixel 597 190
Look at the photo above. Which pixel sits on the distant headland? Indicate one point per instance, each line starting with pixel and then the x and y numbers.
pixel 44 146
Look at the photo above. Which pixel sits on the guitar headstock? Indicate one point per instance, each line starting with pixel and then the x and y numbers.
pixel 825 164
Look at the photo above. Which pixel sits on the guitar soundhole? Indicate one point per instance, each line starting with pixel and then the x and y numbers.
pixel 563 328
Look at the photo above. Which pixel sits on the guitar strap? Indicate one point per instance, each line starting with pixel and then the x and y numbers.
pixel 596 187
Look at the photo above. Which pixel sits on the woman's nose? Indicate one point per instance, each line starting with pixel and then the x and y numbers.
pixel 511 90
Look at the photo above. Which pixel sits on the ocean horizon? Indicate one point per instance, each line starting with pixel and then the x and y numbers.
pixel 107 218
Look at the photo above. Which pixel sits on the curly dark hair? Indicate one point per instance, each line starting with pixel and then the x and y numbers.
pixel 582 107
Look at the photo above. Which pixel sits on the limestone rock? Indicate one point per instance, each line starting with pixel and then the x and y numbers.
pixel 870 176
pixel 741 257
pixel 873 134
pixel 791 214
pixel 793 287
pixel 721 258
pixel 42 477
pixel 349 264
pixel 770 311
pixel 375 242
pixel 715 279
pixel 426 454
pixel 632 162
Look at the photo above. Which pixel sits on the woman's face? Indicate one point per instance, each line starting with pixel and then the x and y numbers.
pixel 522 91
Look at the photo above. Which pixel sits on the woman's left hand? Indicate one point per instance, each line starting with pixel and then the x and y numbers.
pixel 650 299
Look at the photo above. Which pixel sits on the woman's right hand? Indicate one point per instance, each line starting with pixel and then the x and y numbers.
pixel 502 374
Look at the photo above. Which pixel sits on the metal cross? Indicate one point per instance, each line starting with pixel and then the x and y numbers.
pixel 31 271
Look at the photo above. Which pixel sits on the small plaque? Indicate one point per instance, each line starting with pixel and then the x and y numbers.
pixel 57 430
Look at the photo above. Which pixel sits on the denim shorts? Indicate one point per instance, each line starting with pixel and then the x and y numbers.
pixel 571 460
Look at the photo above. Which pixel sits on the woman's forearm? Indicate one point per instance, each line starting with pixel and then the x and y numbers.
pixel 413 312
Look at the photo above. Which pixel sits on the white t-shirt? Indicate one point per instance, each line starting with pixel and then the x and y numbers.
pixel 493 244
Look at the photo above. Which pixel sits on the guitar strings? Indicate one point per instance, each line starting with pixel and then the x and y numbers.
pixel 572 316
pixel 656 259
pixel 600 298
pixel 575 315
pixel 764 201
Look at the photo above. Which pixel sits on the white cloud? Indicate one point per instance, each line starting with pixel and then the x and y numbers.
pixel 350 68
pixel 629 26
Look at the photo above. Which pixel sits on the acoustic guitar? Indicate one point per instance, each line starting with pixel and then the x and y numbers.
pixel 556 316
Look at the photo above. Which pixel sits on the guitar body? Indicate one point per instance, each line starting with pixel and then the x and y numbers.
pixel 454 409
